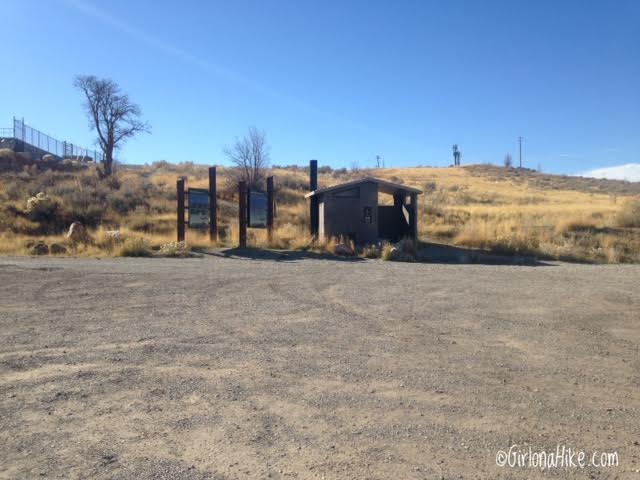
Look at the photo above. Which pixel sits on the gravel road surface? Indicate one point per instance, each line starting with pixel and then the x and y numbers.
pixel 287 367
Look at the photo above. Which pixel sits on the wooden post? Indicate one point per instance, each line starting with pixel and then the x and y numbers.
pixel 180 212
pixel 314 214
pixel 271 201
pixel 213 206
pixel 413 217
pixel 399 224
pixel 242 214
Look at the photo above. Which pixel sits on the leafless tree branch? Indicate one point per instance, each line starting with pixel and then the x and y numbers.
pixel 113 116
pixel 250 156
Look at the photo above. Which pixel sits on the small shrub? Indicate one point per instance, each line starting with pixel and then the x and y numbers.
pixel 175 250
pixel 23 226
pixel 301 184
pixel 429 187
pixel 40 206
pixel 124 202
pixel 371 251
pixel 572 225
pixel 47 212
pixel 342 246
pixel 90 216
pixel 141 223
pixel 403 251
pixel 387 252
pixel 135 247
pixel 108 240
pixel 7 154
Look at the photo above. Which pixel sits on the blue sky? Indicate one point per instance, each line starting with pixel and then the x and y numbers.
pixel 340 81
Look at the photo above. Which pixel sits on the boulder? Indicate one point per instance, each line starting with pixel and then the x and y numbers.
pixel 57 249
pixel 48 158
pixel 40 248
pixel 77 234
pixel 114 235
pixel 39 202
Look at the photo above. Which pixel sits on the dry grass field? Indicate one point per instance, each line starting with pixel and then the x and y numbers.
pixel 479 207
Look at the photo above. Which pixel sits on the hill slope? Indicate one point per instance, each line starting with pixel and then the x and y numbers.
pixel 507 210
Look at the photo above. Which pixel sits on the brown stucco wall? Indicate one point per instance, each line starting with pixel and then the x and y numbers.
pixel 345 216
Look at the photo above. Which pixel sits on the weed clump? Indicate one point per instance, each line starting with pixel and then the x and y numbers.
pixel 175 250
pixel 135 247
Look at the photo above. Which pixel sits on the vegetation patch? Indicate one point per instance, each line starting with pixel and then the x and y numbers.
pixel 494 209
pixel 135 247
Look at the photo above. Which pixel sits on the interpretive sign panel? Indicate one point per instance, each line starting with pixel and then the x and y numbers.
pixel 198 208
pixel 257 210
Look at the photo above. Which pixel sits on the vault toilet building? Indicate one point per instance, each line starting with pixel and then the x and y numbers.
pixel 351 210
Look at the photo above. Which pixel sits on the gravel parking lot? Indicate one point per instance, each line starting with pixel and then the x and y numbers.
pixel 289 367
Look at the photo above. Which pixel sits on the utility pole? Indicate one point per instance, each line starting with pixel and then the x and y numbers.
pixel 520 147
pixel 378 160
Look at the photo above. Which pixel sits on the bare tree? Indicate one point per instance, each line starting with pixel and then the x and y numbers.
pixel 250 157
pixel 113 116
pixel 508 161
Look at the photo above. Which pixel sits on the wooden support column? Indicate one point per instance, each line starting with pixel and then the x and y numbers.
pixel 271 202
pixel 180 212
pixel 213 206
pixel 242 214
pixel 413 217
pixel 398 200
pixel 399 219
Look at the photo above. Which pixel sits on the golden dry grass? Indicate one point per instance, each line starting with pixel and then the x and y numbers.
pixel 477 207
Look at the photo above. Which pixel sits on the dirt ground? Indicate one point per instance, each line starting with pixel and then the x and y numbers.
pixel 287 367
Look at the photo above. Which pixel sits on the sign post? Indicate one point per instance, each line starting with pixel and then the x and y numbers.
pixel 270 204
pixel 242 214
pixel 180 212
pixel 213 204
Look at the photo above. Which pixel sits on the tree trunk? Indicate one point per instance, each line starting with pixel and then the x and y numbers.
pixel 107 163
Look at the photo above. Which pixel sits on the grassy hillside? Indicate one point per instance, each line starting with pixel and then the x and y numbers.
pixel 505 210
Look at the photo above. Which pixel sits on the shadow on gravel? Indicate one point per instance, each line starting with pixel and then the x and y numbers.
pixel 276 255
pixel 440 253
pixel 427 253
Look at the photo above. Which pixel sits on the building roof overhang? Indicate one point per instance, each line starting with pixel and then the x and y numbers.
pixel 384 186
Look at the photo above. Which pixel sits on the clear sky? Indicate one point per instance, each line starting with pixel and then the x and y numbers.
pixel 338 80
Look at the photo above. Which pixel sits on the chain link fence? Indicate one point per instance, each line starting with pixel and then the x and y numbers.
pixel 62 149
